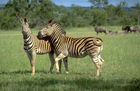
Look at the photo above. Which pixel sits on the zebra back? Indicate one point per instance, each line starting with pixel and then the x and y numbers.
pixel 58 32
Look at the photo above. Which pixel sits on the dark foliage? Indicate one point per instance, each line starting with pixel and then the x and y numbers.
pixel 39 12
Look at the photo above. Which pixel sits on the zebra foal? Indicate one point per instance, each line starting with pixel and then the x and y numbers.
pixel 66 46
pixel 33 45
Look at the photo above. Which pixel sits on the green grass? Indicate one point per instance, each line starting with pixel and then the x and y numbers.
pixel 121 71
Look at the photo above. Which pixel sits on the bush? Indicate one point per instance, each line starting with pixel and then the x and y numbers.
pixel 98 17
pixel 38 12
pixel 127 21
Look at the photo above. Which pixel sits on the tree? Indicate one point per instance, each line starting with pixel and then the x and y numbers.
pixel 110 10
pixel 99 3
pixel 120 11
pixel 136 13
pixel 98 17
pixel 38 11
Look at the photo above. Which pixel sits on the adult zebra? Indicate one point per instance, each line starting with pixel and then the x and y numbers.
pixel 33 45
pixel 73 47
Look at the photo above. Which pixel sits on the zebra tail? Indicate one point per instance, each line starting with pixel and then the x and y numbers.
pixel 98 41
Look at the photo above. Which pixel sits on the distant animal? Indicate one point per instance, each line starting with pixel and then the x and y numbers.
pixel 126 28
pixel 73 47
pixel 129 28
pixel 134 29
pixel 100 30
pixel 33 45
pixel 113 32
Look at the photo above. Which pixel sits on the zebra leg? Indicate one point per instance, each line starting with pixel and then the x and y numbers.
pixel 101 59
pixel 59 57
pixel 98 64
pixel 32 57
pixel 29 56
pixel 60 62
pixel 33 62
pixel 66 64
pixel 51 56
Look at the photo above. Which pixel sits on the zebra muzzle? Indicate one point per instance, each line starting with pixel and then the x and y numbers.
pixel 39 35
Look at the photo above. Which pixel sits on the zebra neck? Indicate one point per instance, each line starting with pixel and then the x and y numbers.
pixel 27 37
pixel 28 41
pixel 56 37
pixel 26 34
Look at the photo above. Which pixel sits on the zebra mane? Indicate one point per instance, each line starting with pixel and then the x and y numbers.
pixel 57 26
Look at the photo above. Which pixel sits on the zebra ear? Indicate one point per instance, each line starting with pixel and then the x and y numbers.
pixel 50 21
pixel 25 20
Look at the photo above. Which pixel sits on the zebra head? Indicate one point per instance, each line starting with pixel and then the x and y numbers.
pixel 25 26
pixel 52 27
pixel 46 31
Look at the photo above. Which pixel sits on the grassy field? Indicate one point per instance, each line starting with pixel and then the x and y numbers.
pixel 121 71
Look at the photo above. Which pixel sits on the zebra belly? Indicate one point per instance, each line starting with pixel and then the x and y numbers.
pixel 79 55
pixel 42 51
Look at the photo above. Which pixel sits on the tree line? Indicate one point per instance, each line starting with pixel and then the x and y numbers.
pixel 40 11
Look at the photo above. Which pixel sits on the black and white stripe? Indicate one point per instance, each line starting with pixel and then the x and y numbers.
pixel 74 47
pixel 33 45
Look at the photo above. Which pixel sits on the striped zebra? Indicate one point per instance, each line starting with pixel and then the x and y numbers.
pixel 33 45
pixel 66 46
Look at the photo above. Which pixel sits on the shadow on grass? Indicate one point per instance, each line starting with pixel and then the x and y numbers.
pixel 81 82
pixel 88 84
pixel 22 72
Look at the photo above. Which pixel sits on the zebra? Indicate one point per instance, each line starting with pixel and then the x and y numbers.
pixel 34 45
pixel 66 46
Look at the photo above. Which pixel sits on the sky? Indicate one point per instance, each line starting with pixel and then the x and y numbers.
pixel 85 3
